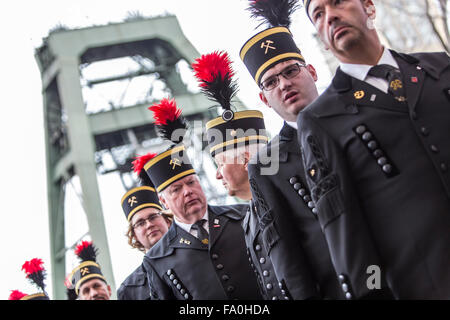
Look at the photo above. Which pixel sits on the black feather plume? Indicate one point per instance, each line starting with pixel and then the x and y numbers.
pixel 275 13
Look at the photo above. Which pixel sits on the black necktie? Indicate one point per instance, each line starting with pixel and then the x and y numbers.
pixel 202 234
pixel 394 78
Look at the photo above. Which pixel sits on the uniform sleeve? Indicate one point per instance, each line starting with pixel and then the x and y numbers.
pixel 339 211
pixel 158 288
pixel 288 259
pixel 121 293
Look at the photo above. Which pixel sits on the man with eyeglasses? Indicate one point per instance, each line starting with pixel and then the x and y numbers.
pixel 147 223
pixel 291 232
pixel 376 146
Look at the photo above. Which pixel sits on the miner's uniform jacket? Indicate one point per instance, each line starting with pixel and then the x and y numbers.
pixel 181 267
pixel 379 171
pixel 291 232
pixel 271 288
pixel 135 286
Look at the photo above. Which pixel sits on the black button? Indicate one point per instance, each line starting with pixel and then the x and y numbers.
pixel 302 192
pixel 297 186
pixel 230 288
pixel 372 145
pixel 378 153
pixel 387 168
pixel 293 180
pixel 434 148
pixel 215 256
pixel 262 260
pixel 367 136
pixel 258 247
pixel 225 277
pixel 444 167
pixel 266 273
pixel 425 132
pixel 382 161
pixel 219 266
pixel 360 129
pixel 269 286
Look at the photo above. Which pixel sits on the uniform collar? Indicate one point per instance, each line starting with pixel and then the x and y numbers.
pixel 359 71
pixel 292 124
pixel 187 226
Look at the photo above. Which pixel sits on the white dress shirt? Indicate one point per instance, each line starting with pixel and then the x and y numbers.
pixel 292 124
pixel 188 227
pixel 359 71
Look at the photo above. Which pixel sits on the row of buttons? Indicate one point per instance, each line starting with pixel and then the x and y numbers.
pixel 177 283
pixel 425 132
pixel 372 145
pixel 303 192
pixel 224 277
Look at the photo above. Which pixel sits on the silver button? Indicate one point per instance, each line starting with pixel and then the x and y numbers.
pixel 269 286
pixel 266 273
pixel 348 295
pixel 262 260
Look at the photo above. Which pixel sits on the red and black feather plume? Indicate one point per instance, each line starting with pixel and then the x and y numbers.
pixel 35 272
pixel 138 166
pixel 215 76
pixel 16 295
pixel 169 122
pixel 86 251
pixel 275 13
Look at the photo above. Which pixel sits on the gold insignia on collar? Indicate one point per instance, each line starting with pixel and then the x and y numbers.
pixel 182 240
pixel 175 162
pixel 205 241
pixel 359 94
pixel 267 45
pixel 132 201
pixel 396 84
pixel 312 172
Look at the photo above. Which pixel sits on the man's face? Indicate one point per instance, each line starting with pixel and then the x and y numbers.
pixel 291 95
pixel 185 198
pixel 232 170
pixel 149 226
pixel 341 24
pixel 94 289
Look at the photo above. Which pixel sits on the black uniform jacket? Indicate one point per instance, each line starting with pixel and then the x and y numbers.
pixel 379 172
pixel 135 286
pixel 291 232
pixel 271 288
pixel 181 267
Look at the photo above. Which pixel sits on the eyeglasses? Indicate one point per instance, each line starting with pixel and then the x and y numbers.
pixel 288 73
pixel 141 223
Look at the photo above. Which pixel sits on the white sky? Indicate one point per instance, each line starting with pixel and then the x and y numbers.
pixel 208 24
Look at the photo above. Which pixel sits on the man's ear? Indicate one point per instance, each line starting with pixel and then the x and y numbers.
pixel 312 71
pixel 263 99
pixel 162 200
pixel 370 9
pixel 246 160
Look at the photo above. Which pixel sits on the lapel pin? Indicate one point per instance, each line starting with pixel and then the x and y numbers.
pixel 373 97
pixel 414 80
pixel 359 94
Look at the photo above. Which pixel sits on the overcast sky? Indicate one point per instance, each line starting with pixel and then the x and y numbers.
pixel 208 24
